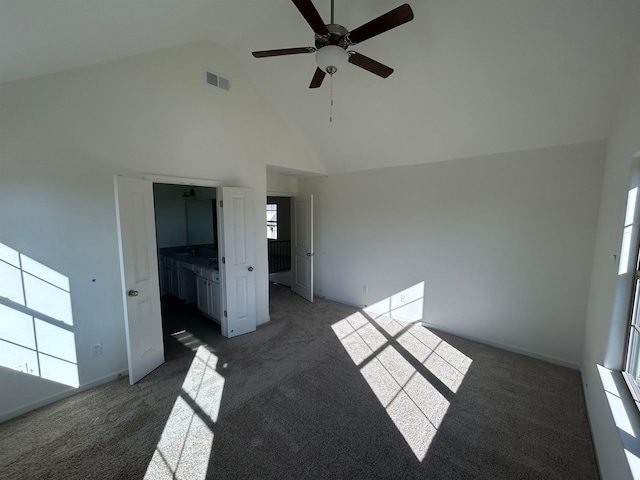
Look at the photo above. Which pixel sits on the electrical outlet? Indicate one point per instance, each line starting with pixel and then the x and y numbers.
pixel 403 298
pixel 96 349
pixel 365 289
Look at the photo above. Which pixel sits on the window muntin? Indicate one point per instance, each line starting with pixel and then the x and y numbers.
pixel 272 221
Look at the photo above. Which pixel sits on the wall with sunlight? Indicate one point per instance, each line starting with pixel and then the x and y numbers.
pixel 64 137
pixel 36 320
pixel 499 247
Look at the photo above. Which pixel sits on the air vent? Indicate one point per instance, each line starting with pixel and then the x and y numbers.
pixel 216 80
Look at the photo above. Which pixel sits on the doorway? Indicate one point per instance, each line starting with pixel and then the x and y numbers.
pixel 290 243
pixel 279 240
pixel 188 264
pixel 141 274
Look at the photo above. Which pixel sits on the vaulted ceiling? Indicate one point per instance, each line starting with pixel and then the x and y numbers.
pixel 472 77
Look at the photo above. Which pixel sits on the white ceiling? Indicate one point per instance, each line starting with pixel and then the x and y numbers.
pixel 472 77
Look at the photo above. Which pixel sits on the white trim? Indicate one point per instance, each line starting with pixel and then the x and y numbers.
pixel 59 396
pixel 521 351
pixel 625 415
pixel 196 182
pixel 280 194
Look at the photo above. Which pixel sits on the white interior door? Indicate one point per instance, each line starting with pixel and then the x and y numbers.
pixel 302 247
pixel 235 226
pixel 139 267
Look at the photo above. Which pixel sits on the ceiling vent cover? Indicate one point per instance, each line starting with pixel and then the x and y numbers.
pixel 217 81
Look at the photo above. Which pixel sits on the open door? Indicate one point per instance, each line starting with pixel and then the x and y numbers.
pixel 235 225
pixel 139 267
pixel 302 247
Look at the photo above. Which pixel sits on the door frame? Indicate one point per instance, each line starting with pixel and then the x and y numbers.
pixel 218 185
pixel 172 180
pixel 292 196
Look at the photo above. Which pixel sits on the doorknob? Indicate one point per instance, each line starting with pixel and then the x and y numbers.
pixel 251 269
pixel 310 254
pixel 133 293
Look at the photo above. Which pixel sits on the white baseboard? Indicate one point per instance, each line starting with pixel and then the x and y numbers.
pixel 510 348
pixel 59 396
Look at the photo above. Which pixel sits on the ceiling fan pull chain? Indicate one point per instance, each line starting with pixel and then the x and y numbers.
pixel 331 101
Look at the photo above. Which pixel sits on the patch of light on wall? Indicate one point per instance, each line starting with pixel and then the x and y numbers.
pixel 36 319
pixel 187 439
pixel 380 345
pixel 407 305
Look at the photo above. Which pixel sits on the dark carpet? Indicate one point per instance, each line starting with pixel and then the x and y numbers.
pixel 323 391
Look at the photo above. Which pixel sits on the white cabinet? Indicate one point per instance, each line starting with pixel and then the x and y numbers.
pixel 209 295
pixel 186 283
pixel 202 286
pixel 216 302
pixel 191 283
pixel 177 279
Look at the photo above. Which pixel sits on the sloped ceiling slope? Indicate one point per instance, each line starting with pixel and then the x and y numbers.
pixel 472 77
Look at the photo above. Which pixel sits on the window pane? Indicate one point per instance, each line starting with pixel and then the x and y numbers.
pixel 272 221
pixel 632 356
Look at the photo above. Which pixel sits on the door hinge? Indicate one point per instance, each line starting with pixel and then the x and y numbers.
pixel 224 261
pixel 225 314
pixel 220 203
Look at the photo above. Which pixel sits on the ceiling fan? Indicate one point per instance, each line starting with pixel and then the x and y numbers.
pixel 333 40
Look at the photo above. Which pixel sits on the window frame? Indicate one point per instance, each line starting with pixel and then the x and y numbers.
pixel 276 221
pixel 629 274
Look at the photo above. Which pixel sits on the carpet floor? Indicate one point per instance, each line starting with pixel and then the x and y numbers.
pixel 323 391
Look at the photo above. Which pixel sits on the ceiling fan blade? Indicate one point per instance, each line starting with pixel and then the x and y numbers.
pixel 370 64
pixel 312 16
pixel 317 79
pixel 282 51
pixel 383 23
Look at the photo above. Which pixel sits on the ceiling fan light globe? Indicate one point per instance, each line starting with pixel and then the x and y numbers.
pixel 331 58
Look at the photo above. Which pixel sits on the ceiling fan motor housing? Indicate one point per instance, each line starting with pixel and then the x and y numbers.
pixel 332 49
pixel 337 36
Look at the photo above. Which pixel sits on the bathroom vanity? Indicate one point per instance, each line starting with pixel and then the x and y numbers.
pixel 191 277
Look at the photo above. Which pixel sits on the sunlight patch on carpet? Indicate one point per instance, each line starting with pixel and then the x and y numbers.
pixel 186 443
pixel 410 370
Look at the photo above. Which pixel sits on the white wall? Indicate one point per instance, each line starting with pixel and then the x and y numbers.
pixel 64 136
pixel 285 185
pixel 503 243
pixel 623 144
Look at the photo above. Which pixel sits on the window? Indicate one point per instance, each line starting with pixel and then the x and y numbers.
pixel 632 358
pixel 272 221
pixel 629 281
